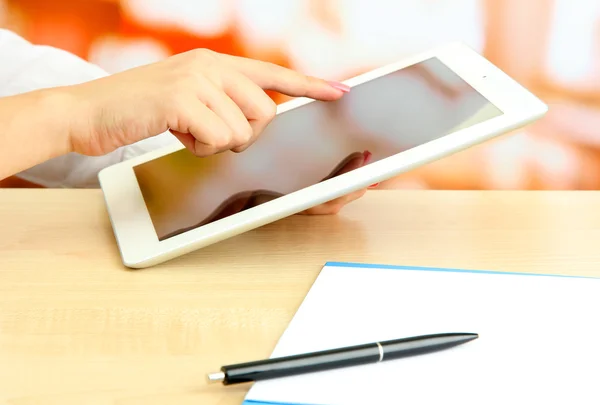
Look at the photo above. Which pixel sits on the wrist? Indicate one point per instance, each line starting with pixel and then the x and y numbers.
pixel 58 107
pixel 35 128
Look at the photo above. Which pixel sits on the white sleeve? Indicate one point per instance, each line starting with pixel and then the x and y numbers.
pixel 26 67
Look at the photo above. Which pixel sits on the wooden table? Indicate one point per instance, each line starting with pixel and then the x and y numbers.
pixel 76 327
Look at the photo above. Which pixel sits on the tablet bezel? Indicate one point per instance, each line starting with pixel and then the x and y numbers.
pixel 135 234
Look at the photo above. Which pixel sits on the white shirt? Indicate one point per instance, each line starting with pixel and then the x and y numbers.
pixel 25 67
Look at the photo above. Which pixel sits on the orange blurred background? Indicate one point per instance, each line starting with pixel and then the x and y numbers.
pixel 550 46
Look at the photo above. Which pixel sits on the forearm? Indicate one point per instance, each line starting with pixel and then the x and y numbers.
pixel 34 127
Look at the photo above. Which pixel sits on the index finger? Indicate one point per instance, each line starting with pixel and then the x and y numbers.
pixel 270 76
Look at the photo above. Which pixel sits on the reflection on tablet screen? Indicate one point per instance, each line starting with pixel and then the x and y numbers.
pixel 309 144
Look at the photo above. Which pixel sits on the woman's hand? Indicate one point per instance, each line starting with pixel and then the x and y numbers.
pixel 211 102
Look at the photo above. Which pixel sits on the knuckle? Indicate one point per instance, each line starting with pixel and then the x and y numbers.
pixel 244 135
pixel 218 137
pixel 270 66
pixel 189 78
pixel 174 108
pixel 223 139
pixel 193 65
pixel 267 109
pixel 204 60
pixel 205 67
pixel 203 55
pixel 306 81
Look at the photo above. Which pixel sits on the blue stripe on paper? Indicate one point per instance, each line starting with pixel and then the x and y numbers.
pixel 253 402
pixel 447 270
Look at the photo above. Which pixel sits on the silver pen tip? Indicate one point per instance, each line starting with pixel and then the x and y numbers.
pixel 215 377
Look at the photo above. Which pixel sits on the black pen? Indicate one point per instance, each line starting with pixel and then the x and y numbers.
pixel 337 358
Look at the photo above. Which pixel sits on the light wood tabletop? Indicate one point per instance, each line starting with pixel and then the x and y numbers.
pixel 76 327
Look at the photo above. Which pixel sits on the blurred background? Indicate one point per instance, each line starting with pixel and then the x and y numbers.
pixel 550 46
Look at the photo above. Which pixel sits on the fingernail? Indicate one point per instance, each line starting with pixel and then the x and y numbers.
pixel 339 86
pixel 373 185
pixel 367 156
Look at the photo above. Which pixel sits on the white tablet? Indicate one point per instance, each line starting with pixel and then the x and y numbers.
pixel 169 202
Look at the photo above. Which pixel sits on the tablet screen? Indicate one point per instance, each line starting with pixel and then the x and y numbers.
pixel 309 144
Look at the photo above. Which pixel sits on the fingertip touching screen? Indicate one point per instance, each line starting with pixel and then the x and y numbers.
pixel 310 144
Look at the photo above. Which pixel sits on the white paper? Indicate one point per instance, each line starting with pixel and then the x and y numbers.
pixel 539 338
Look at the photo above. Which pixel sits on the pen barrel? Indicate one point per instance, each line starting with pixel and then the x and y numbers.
pixel 300 364
pixel 342 357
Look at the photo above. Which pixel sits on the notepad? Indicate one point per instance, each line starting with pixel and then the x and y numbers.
pixel 539 338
